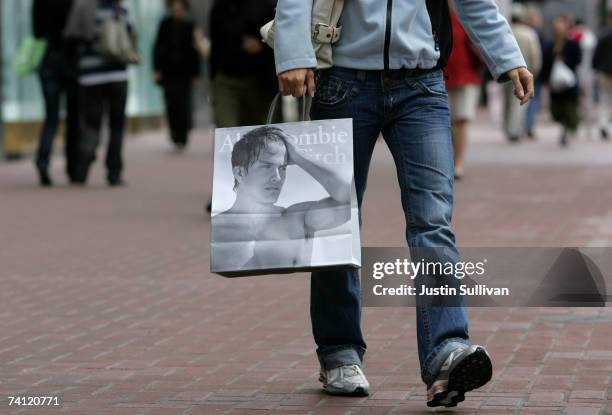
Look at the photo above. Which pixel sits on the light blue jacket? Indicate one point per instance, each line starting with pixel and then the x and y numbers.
pixel 397 33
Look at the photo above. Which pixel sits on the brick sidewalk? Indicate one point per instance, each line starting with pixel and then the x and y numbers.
pixel 107 301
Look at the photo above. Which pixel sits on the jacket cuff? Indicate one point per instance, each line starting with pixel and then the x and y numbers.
pixel 500 71
pixel 298 63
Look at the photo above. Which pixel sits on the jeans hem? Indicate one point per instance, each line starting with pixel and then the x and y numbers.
pixel 437 357
pixel 340 356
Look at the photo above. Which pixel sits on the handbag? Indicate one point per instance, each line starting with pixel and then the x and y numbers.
pixel 284 198
pixel 562 77
pixel 117 44
pixel 325 32
pixel 30 55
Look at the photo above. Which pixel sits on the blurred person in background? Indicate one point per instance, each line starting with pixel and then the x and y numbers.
pixel 103 85
pixel 241 66
pixel 463 80
pixel 534 19
pixel 57 78
pixel 587 40
pixel 529 43
pixel 177 68
pixel 564 103
pixel 243 78
pixel 602 64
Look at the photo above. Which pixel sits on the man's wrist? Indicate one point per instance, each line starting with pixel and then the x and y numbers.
pixel 300 63
pixel 500 71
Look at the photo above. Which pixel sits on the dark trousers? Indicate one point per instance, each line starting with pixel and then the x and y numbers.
pixel 239 101
pixel 564 109
pixel 54 85
pixel 96 100
pixel 178 97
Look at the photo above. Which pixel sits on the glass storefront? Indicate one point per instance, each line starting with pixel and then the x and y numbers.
pixel 22 99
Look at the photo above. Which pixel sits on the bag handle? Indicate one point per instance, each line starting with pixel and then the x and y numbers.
pixel 304 99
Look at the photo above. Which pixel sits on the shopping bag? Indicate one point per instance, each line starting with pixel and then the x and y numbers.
pixel 284 198
pixel 29 55
pixel 117 43
pixel 562 77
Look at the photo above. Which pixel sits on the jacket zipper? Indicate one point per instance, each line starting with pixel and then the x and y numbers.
pixel 388 33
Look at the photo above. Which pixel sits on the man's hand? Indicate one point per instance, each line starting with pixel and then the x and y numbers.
pixel 294 82
pixel 252 45
pixel 523 84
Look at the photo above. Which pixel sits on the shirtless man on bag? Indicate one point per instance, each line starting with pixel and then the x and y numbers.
pixel 256 233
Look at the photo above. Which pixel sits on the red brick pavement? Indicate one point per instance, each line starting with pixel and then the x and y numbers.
pixel 107 302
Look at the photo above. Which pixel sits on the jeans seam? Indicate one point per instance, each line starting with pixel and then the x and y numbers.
pixel 340 348
pixel 403 183
pixel 410 225
pixel 426 329
pixel 416 83
pixel 427 91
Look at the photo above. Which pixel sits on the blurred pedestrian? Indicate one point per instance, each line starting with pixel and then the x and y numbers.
pixel 463 81
pixel 584 36
pixel 177 68
pixel 534 20
pixel 242 67
pixel 103 79
pixel 243 80
pixel 566 56
pixel 529 43
pixel 602 63
pixel 57 79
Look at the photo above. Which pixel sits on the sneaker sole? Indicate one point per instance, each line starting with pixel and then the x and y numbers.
pixel 359 391
pixel 472 372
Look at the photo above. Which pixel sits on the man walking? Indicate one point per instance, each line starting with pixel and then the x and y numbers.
pixel 103 83
pixel 602 64
pixel 57 77
pixel 529 43
pixel 387 77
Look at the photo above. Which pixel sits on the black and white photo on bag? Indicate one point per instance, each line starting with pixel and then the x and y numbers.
pixel 283 198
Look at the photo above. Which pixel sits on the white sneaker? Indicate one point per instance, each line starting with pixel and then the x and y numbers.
pixel 347 380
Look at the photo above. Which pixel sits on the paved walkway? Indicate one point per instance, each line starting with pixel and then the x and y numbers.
pixel 106 300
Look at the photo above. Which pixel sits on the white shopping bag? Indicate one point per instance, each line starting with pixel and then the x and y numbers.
pixel 562 77
pixel 284 199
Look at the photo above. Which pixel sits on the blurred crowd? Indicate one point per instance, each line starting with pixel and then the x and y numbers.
pixel 91 43
pixel 573 75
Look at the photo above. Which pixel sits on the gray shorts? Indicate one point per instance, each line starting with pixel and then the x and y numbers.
pixel 464 102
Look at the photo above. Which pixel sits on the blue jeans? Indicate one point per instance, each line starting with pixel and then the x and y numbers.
pixel 55 82
pixel 411 110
